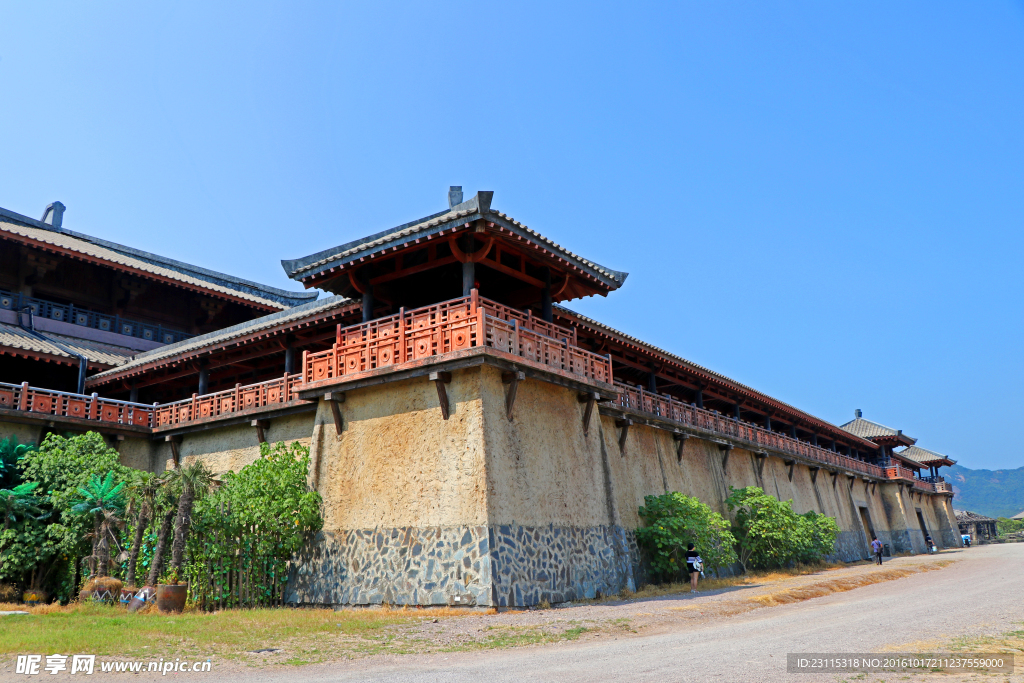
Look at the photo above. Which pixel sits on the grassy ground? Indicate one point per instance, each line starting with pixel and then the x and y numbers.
pixel 300 636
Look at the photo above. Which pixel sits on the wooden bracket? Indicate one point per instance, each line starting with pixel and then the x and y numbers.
pixel 512 379
pixel 175 441
pixel 440 379
pixel 336 399
pixel 591 400
pixel 762 457
pixel 261 427
pixel 624 425
pixel 727 449
pixel 680 439
pixel 835 476
pixel 852 479
pixel 814 474
pixel 790 464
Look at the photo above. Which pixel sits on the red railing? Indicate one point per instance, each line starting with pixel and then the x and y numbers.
pixel 242 398
pixel 943 487
pixel 637 399
pixel 899 472
pixel 82 406
pixel 456 325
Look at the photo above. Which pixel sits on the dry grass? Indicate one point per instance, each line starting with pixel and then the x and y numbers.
pixel 820 589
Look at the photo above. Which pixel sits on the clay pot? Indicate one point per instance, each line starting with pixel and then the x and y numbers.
pixel 171 599
pixel 101 589
pixel 127 593
pixel 143 597
pixel 35 597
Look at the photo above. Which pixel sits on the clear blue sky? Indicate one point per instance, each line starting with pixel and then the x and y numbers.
pixel 822 200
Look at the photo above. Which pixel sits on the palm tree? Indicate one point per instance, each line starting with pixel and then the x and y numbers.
pixel 193 480
pixel 161 545
pixel 21 501
pixel 143 487
pixel 105 502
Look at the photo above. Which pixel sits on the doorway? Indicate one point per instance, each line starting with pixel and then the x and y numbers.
pixel 924 529
pixel 869 530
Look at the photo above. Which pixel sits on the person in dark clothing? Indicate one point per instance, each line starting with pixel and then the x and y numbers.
pixel 929 543
pixel 693 565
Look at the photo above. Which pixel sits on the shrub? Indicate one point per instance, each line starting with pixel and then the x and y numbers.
pixel 769 534
pixel 673 520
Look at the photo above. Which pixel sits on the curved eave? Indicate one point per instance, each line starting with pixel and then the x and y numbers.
pixel 264 304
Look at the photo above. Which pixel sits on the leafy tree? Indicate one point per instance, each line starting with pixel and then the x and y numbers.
pixel 104 500
pixel 165 510
pixel 770 534
pixel 255 520
pixel 21 501
pixel 672 521
pixel 192 481
pixel 1005 525
pixel 62 465
pixel 11 453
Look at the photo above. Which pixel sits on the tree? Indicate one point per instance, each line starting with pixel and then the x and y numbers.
pixel 770 534
pixel 21 501
pixel 142 488
pixel 11 454
pixel 165 508
pixel 672 522
pixel 104 500
pixel 192 480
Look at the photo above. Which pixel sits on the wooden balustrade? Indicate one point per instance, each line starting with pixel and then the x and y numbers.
pixel 80 406
pixel 456 325
pixel 899 472
pixel 242 398
pixel 636 398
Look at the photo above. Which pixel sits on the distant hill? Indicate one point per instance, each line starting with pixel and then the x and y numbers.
pixel 998 493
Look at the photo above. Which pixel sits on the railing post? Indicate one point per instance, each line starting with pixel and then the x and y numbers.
pixel 238 396
pixel 192 411
pixel 515 337
pixel 403 347
pixel 94 406
pixel 474 300
pixel 23 399
pixel 481 325
pixel 285 392
pixel 305 353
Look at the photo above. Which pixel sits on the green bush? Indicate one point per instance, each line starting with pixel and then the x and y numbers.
pixel 253 523
pixel 1005 525
pixel 672 521
pixel 769 534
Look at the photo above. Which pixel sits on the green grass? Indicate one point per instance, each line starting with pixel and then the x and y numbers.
pixel 105 630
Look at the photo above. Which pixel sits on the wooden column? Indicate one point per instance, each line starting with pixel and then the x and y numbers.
pixel 204 382
pixel 368 304
pixel 468 267
pixel 699 398
pixel 545 299
pixel 289 359
pixel 133 394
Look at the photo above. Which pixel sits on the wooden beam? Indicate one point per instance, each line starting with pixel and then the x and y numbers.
pixel 175 441
pixel 261 427
pixel 590 399
pixel 761 458
pixel 623 425
pixel 727 449
pixel 791 464
pixel 680 440
pixel 512 379
pixel 335 399
pixel 440 379
pixel 835 475
pixel 814 474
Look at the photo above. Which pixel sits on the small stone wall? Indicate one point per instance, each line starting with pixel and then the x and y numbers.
pixel 503 566
pixel 405 566
pixel 561 563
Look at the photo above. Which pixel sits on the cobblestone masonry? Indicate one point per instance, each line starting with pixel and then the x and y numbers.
pixel 507 565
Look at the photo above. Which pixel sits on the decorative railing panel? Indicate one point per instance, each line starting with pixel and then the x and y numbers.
pixel 898 472
pixel 81 406
pixel 70 313
pixel 636 398
pixel 223 403
pixel 456 325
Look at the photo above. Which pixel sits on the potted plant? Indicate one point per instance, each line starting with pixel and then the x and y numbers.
pixel 171 595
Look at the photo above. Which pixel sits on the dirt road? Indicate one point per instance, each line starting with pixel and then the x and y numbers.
pixel 980 594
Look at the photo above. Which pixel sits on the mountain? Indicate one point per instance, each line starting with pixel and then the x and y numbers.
pixel 998 493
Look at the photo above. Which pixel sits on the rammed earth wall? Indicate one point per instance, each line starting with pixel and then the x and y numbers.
pixel 482 510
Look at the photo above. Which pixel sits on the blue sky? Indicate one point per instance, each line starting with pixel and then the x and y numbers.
pixel 822 200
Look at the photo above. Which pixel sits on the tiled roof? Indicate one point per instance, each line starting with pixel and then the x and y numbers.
pixel 195 344
pixel 967 516
pixel 477 207
pixel 121 255
pixel 866 429
pixel 14 337
pixel 922 455
pixel 682 361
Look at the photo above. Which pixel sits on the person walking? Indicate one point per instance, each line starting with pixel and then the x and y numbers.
pixel 929 543
pixel 694 565
pixel 876 548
